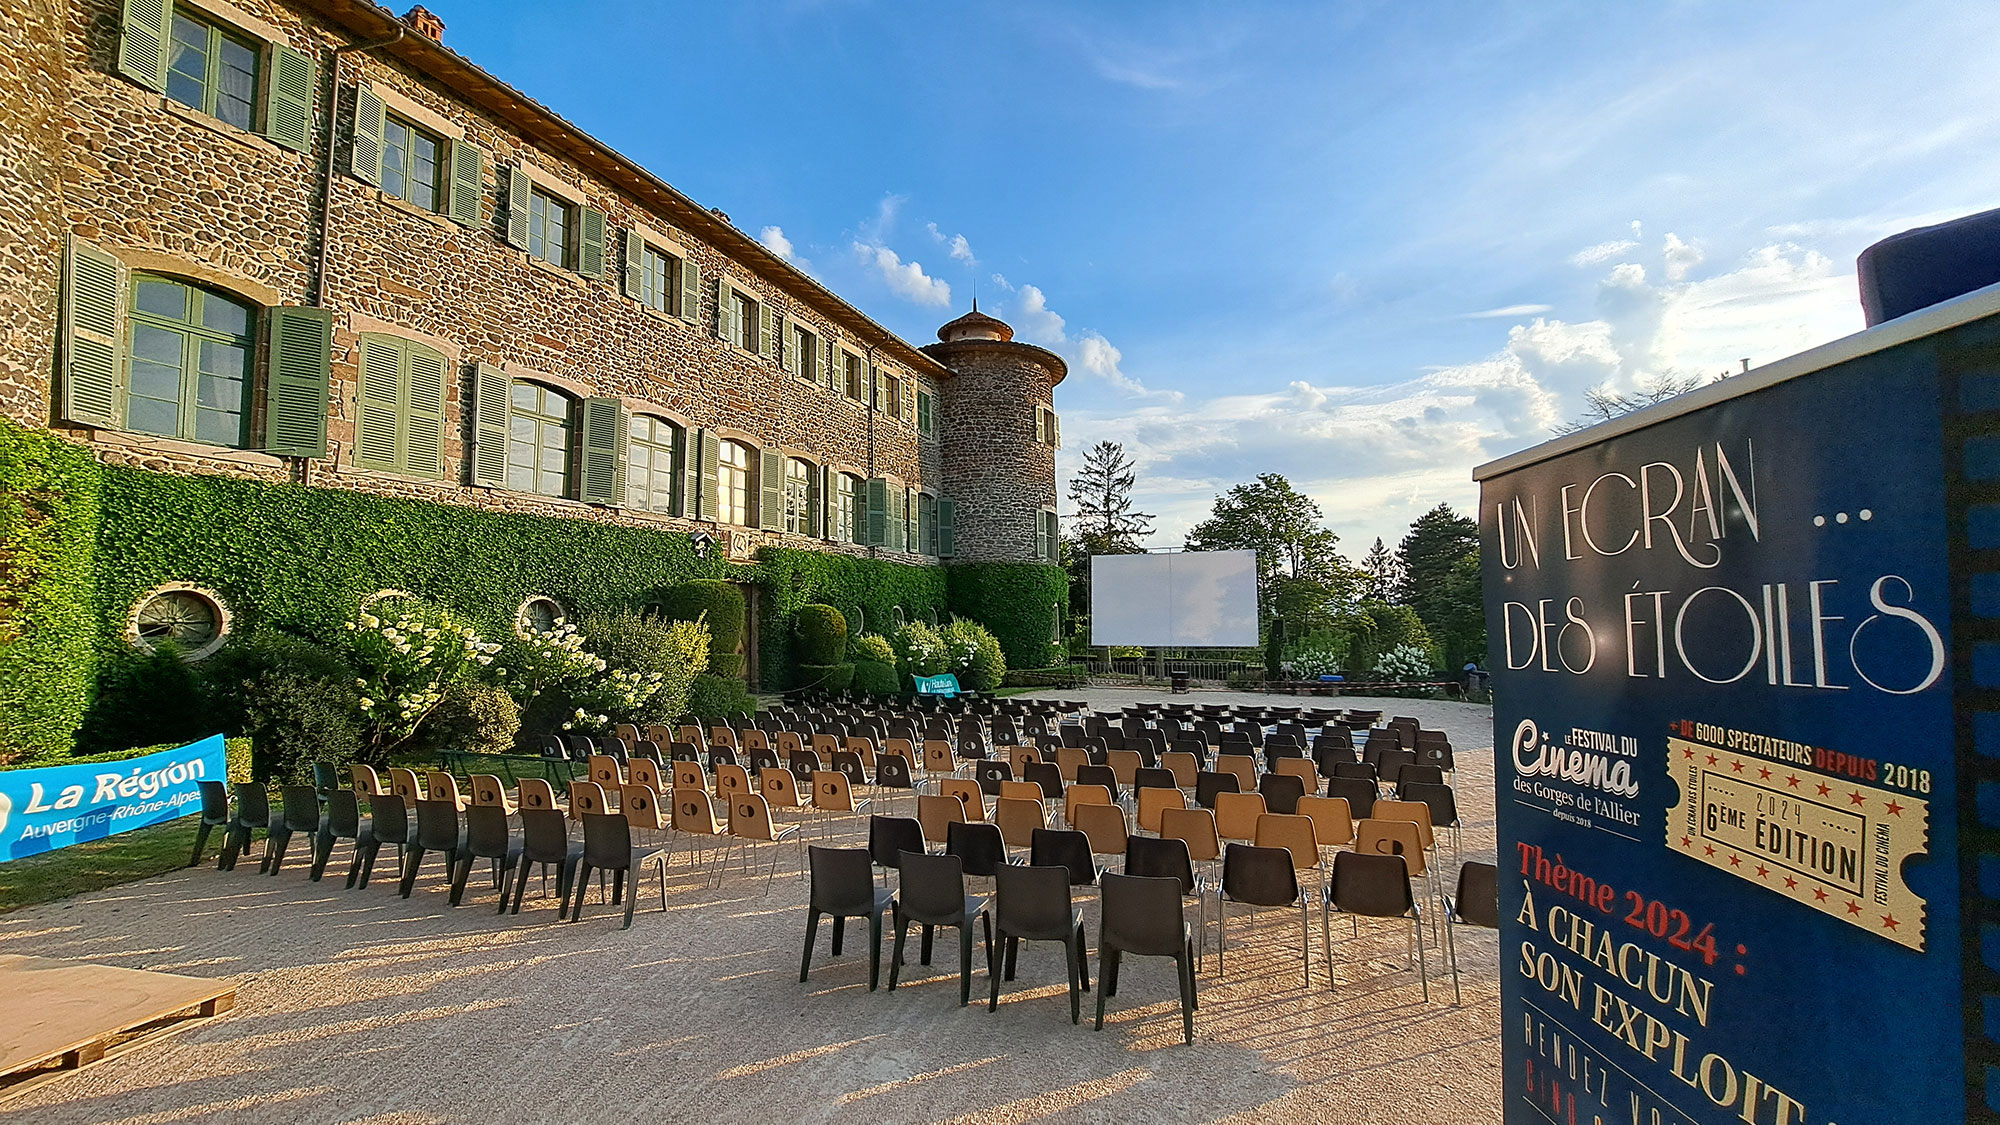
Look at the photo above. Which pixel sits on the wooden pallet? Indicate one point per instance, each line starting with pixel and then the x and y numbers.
pixel 57 1017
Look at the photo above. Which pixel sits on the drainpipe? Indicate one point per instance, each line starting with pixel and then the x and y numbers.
pixel 333 61
pixel 873 393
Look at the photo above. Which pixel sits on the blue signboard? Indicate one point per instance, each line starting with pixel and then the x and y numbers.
pixel 1730 675
pixel 45 809
pixel 946 684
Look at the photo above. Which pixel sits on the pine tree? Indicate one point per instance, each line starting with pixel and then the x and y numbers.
pixel 1440 583
pixel 1101 503
pixel 1379 572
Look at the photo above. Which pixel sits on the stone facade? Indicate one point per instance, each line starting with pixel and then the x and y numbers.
pixel 169 190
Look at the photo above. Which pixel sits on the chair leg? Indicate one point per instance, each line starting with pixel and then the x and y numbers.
pixel 896 961
pixel 631 895
pixel 928 931
pixel 355 867
pixel 1451 954
pixel 322 851
pixel 1186 966
pixel 812 936
pixel 965 962
pixel 1082 959
pixel 411 864
pixel 1007 946
pixel 580 883
pixel 839 933
pixel 200 842
pixel 1075 993
pixel 1423 968
pixel 566 878
pixel 875 950
pixel 461 873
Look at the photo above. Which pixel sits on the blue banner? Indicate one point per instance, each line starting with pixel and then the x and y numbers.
pixel 946 684
pixel 54 807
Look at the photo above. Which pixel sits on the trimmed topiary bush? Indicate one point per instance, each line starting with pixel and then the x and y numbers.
pixel 826 677
pixel 48 533
pixel 147 699
pixel 877 677
pixel 869 646
pixel 474 717
pixel 719 605
pixel 822 635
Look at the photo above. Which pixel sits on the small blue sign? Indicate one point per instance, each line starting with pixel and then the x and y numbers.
pixel 946 684
pixel 56 806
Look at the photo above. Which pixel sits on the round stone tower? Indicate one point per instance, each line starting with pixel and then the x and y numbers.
pixel 998 435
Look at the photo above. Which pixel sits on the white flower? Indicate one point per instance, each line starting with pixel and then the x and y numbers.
pixel 367 704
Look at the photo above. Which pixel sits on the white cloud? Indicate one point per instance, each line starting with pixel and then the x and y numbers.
pixel 961 250
pixel 905 279
pixel 1602 252
pixel 1506 311
pixel 1001 281
pixel 1681 257
pixel 775 241
pixel 1033 320
pixel 1098 357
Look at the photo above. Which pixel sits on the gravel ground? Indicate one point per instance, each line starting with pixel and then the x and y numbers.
pixel 360 1006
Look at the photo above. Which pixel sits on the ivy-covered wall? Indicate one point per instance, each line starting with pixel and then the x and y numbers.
pixel 1019 602
pixel 792 578
pixel 48 530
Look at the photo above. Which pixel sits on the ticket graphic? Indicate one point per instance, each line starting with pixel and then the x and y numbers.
pixel 1816 838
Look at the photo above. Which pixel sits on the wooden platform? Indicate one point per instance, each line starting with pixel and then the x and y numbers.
pixel 59 1016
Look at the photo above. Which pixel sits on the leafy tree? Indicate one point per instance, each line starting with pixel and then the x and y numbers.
pixel 1379 572
pixel 1602 404
pixel 1437 583
pixel 1101 509
pixel 1302 580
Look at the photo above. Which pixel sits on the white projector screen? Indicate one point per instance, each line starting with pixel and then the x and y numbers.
pixel 1187 599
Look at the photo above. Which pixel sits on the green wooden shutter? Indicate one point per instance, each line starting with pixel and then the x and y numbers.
pixel 378 397
pixel 490 387
pixel 815 502
pixel 423 443
pixel 468 173
pixel 1055 429
pixel 767 331
pixel 1055 536
pixel 517 208
pixel 93 337
pixel 908 388
pixel 1041 426
pixel 899 519
pixel 947 528
pixel 689 500
pixel 690 302
pixel 142 49
pixel 725 310
pixel 828 518
pixel 295 388
pixel 829 354
pixel 711 472
pixel 364 149
pixel 876 533
pixel 590 243
pixel 603 450
pixel 771 491
pixel 924 421
pixel 1041 535
pixel 290 88
pixel 635 259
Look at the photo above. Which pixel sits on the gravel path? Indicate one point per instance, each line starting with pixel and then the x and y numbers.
pixel 362 1007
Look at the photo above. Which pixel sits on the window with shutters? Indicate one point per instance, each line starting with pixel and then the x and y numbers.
pixel 549 224
pixel 399 407
pixel 854 377
pixel 653 452
pixel 798 496
pixel 213 69
pixel 412 163
pixel 895 397
pixel 540 424
pixel 743 322
pixel 656 277
pixel 800 354
pixel 847 510
pixel 190 355
pixel 927 525
pixel 735 483
pixel 926 414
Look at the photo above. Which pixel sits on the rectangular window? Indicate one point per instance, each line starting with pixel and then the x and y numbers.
pixel 653 463
pixel 927 525
pixel 732 484
pixel 743 326
pixel 548 227
pixel 411 168
pixel 848 519
pixel 895 407
pixel 798 497
pixel 801 356
pixel 926 414
pixel 213 70
pixel 854 377
pixel 656 273
pixel 538 443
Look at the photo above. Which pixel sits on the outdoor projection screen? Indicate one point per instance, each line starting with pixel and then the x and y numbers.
pixel 1187 599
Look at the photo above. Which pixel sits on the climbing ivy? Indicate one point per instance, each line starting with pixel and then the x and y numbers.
pixel 48 525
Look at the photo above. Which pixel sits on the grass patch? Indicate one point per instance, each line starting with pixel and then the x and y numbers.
pixel 138 854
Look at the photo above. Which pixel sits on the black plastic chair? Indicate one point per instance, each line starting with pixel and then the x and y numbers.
pixel 1360 771
pixel 649 749
pixel 1153 777
pixel 1033 904
pixel 762 758
pixel 1165 857
pixel 848 762
pixel 301 817
pixel 1281 792
pixel 1193 746
pixel 1360 794
pixel 890 836
pixel 1142 916
pixel 486 837
pixel 1257 876
pixel 803 764
pixel 326 779
pixel 607 846
pixel 683 752
pixel 343 822
pixel 438 830
pixel 978 845
pixel 1389 767
pixel 892 771
pixel 933 895
pixel 1419 774
pixel 253 811
pixel 1099 775
pixel 214 814
pixel 1061 847
pixel 1443 803
pixel 1477 903
pixel 1378 886
pixel 1207 783
pixel 843 887
pixel 990 774
pixel 1047 775
pixel 388 823
pixel 545 843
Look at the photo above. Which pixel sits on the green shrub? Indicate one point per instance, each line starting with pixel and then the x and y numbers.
pixel 920 650
pixel 296 701
pixel 870 646
pixel 975 654
pixel 147 699
pixel 719 695
pixel 877 677
pixel 822 635
pixel 474 718
pixel 677 651
pixel 826 677
pixel 867 592
pixel 720 605
pixel 49 508
pixel 1022 602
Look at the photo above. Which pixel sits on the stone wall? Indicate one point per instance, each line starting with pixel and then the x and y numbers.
pixel 169 189
pixel 34 81
pixel 994 467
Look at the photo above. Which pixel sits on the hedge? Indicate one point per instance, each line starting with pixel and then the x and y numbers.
pixel 792 579
pixel 822 635
pixel 720 605
pixel 1019 602
pixel 49 507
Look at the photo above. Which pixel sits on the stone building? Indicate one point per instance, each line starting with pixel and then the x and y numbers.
pixel 303 242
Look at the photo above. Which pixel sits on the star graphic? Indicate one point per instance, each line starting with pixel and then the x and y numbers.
pixel 1819 894
pixel 1763 773
pixel 1889 920
pixel 1791 883
pixel 1858 799
pixel 1762 871
pixel 1792 780
pixel 1894 809
pixel 1709 848
pixel 1737 765
pixel 1687 841
pixel 1853 907
pixel 1712 759
pixel 1823 789
pixel 1688 751
pixel 1735 861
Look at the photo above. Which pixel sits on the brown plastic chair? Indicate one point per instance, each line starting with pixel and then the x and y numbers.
pixel 1104 826
pixel 605 772
pixel 1184 765
pixel 935 812
pixel 1068 759
pixel 1082 795
pixel 750 824
pixel 833 793
pixel 1194 827
pixel 1244 766
pixel 1236 815
pixel 1020 790
pixel 366 783
pixel 721 734
pixel 968 792
pixel 1333 824
pixel 826 745
pixel 695 820
pixel 1142 916
pixel 780 788
pixel 787 743
pixel 1018 758
pixel 586 797
pixel 938 760
pixel 1018 818
pixel 534 793
pixel 1416 812
pixel 864 746
pixel 487 792
pixel 901 747
pixel 646 772
pixel 1301 768
pixel 641 806
pixel 689 775
pixel 1153 801
pixel 403 783
pixel 732 781
pixel 1033 904
pixel 1125 765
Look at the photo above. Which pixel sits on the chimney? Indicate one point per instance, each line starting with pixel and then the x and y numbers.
pixel 424 22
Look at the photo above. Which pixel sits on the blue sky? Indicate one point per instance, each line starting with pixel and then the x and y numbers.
pixel 1367 245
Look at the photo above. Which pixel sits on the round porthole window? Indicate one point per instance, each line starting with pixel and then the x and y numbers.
pixel 538 615
pixel 195 621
